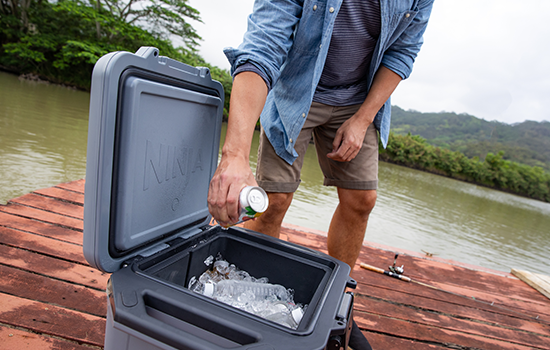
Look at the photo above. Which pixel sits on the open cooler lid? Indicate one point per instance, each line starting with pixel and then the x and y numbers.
pixel 153 142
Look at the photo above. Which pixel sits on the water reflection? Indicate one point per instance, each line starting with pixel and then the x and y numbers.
pixel 43 132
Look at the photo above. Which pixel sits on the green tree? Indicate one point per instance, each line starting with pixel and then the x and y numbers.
pixel 162 18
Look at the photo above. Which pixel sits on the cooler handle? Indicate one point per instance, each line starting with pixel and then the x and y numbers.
pixel 166 320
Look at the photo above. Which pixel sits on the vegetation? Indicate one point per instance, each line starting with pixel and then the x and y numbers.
pixel 527 143
pixel 494 171
pixel 61 41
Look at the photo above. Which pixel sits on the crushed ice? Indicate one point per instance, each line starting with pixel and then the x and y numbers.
pixel 228 284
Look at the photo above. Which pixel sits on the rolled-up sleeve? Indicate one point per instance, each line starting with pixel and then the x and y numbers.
pixel 268 38
pixel 402 51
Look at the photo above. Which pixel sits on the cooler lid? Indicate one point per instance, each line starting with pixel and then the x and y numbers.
pixel 153 142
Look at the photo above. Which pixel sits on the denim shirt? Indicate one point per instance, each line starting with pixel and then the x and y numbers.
pixel 288 41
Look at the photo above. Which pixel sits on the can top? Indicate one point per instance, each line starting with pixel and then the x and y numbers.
pixel 257 200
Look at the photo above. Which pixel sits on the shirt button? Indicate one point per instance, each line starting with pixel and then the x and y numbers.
pixel 314 7
pixel 290 140
pixel 331 10
pixel 408 15
pixel 303 115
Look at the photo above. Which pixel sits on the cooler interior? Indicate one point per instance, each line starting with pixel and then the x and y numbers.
pixel 307 273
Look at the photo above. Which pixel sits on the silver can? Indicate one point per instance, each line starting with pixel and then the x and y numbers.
pixel 253 202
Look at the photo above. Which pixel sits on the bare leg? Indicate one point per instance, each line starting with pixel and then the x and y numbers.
pixel 269 223
pixel 349 223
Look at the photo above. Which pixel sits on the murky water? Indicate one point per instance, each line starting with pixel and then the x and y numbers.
pixel 43 132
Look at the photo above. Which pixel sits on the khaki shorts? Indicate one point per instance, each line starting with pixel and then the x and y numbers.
pixel 273 174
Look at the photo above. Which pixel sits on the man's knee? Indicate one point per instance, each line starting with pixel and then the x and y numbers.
pixel 279 201
pixel 360 202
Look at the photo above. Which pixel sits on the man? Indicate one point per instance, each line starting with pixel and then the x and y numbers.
pixel 327 68
pixel 346 57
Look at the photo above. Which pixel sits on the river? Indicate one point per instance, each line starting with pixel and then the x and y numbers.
pixel 43 132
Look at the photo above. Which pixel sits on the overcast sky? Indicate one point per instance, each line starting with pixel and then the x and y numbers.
pixel 487 58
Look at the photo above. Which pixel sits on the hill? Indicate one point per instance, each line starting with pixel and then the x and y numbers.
pixel 526 143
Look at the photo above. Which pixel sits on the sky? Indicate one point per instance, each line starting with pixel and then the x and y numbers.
pixel 486 58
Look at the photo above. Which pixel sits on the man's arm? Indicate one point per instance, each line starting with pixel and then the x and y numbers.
pixel 349 137
pixel 248 97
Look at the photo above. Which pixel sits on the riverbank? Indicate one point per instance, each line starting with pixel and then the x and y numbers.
pixel 51 298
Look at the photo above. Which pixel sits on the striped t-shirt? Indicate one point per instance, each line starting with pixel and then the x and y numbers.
pixel 356 30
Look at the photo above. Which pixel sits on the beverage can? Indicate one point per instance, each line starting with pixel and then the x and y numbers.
pixel 253 201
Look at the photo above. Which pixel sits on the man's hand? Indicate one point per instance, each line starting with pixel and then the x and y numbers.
pixel 232 175
pixel 349 139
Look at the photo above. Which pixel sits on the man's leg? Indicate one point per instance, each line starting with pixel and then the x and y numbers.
pixel 349 223
pixel 269 223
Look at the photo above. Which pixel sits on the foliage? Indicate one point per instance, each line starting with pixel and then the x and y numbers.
pixel 162 18
pixel 526 143
pixel 494 171
pixel 65 39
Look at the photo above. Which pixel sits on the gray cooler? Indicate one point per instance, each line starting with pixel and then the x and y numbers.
pixel 153 144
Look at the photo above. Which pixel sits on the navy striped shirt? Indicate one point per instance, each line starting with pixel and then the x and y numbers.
pixel 356 31
pixel 354 37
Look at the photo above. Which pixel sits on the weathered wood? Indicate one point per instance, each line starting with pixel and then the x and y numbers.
pixel 40 244
pixel 62 194
pixel 50 204
pixel 48 290
pixel 45 216
pixel 535 280
pixel 430 334
pixel 503 304
pixel 40 228
pixel 384 341
pixel 22 339
pixel 445 307
pixel 52 267
pixel 411 313
pixel 42 269
pixel 51 319
pixel 75 186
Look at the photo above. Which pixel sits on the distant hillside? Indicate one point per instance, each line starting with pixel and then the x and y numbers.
pixel 527 143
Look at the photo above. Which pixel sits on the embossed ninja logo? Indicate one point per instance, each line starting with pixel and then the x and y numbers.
pixel 164 163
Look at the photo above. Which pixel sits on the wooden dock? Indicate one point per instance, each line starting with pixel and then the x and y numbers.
pixel 50 298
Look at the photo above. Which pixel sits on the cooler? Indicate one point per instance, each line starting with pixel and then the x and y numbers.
pixel 153 144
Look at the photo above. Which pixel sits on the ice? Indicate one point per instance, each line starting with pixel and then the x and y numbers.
pixel 228 284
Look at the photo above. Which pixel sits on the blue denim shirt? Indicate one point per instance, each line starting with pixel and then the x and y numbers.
pixel 288 41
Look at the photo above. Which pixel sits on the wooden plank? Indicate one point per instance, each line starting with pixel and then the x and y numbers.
pixel 75 186
pixel 502 304
pixel 51 267
pixel 540 282
pixel 50 204
pixel 447 308
pixel 62 194
pixel 40 228
pixel 471 296
pixel 41 215
pixel 430 334
pixel 44 245
pixel 422 317
pixel 434 272
pixel 22 339
pixel 51 319
pixel 48 290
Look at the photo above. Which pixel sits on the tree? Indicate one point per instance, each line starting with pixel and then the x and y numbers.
pixel 17 8
pixel 161 17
